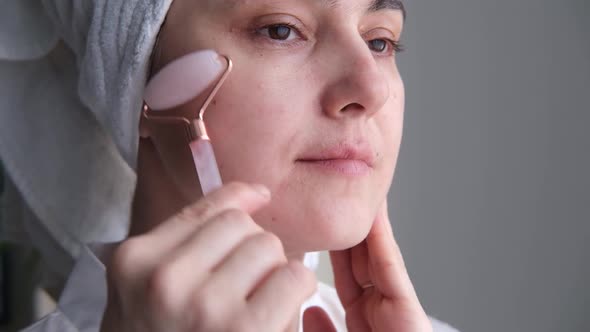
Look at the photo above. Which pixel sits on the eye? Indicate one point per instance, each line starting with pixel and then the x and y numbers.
pixel 384 46
pixel 378 45
pixel 282 32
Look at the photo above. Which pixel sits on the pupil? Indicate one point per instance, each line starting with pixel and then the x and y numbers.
pixel 280 32
pixel 378 45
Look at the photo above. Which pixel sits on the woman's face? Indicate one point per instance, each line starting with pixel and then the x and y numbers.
pixel 313 108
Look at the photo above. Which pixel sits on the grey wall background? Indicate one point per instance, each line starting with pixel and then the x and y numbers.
pixel 491 200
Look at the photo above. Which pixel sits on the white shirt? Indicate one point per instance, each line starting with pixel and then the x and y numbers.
pixel 82 303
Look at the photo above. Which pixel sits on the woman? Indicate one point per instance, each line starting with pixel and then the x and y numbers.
pixel 306 131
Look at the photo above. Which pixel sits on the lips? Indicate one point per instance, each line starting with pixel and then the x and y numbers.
pixel 349 159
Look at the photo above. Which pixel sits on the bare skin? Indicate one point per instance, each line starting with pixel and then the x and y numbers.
pixel 313 112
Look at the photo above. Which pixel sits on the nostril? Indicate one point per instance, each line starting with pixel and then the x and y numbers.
pixel 353 107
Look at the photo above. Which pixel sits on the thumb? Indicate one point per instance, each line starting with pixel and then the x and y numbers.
pixel 315 319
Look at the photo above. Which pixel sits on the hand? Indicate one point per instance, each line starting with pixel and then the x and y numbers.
pixel 374 287
pixel 209 268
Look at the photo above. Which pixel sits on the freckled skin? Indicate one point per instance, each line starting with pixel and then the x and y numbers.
pixel 281 101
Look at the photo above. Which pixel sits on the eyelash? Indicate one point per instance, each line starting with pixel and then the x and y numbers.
pixel 395 46
pixel 293 27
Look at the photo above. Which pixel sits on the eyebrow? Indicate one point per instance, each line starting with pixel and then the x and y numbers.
pixel 377 5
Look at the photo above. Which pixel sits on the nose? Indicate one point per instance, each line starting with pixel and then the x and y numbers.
pixel 358 86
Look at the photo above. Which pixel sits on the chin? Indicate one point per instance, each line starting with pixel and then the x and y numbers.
pixel 317 211
pixel 313 227
pixel 342 229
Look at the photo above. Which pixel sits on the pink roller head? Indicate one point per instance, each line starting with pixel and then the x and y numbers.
pixel 183 79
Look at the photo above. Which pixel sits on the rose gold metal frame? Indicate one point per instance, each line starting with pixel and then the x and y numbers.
pixel 194 128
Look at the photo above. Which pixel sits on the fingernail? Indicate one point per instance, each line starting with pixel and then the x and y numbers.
pixel 262 190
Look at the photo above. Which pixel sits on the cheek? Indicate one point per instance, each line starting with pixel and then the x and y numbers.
pixel 251 123
pixel 391 123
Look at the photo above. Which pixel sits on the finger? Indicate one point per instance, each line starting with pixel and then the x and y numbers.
pixel 351 272
pixel 386 262
pixel 171 233
pixel 190 265
pixel 247 265
pixel 278 299
pixel 347 287
pixel 359 256
pixel 315 319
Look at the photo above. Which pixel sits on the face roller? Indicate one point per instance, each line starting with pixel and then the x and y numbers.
pixel 178 137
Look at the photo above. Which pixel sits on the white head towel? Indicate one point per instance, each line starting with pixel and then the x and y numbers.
pixel 69 114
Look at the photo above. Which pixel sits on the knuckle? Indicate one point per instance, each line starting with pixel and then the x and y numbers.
pixel 206 312
pixel 271 242
pixel 264 247
pixel 296 273
pixel 239 220
pixel 124 259
pixel 159 291
pixel 207 205
pixel 197 211
pixel 235 216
